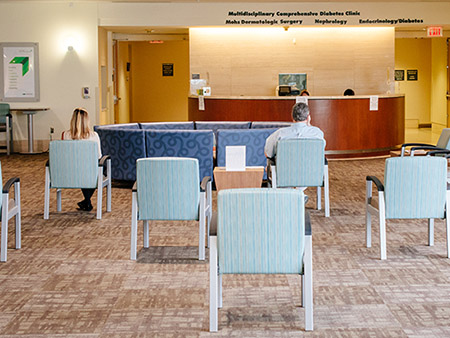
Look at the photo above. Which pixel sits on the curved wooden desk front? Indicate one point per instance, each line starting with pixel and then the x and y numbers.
pixel 350 128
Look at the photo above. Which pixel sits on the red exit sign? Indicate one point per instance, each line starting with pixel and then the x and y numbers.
pixel 434 31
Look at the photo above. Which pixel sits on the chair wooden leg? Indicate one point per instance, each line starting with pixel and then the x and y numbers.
pixel 47 193
pixel 308 278
pixel 382 215
pixel 133 226
pixel 146 235
pixel 430 231
pixel 201 227
pixel 18 215
pixel 213 287
pixel 4 235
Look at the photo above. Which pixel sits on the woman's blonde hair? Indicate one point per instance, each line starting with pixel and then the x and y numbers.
pixel 79 125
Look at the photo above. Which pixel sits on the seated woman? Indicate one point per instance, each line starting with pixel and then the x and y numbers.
pixel 79 130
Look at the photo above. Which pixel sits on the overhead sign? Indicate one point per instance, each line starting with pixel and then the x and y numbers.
pixel 434 31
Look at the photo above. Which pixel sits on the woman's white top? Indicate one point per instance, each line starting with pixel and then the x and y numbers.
pixel 93 136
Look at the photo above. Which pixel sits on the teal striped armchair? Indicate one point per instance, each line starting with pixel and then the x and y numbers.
pixel 302 163
pixel 168 188
pixel 414 187
pixel 75 165
pixel 10 208
pixel 260 231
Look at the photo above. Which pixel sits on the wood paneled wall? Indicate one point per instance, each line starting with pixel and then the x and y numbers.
pixel 247 61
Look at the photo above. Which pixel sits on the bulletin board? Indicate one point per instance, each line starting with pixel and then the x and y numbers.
pixel 19 72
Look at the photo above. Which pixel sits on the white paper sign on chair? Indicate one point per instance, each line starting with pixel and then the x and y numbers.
pixel 235 158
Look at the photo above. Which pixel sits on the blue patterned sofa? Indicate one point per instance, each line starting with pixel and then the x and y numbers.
pixel 127 142
pixel 253 139
pixel 183 143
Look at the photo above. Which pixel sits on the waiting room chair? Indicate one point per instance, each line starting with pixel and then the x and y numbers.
pixel 414 187
pixel 74 164
pixel 6 126
pixel 442 143
pixel 168 188
pixel 302 163
pixel 260 231
pixel 10 208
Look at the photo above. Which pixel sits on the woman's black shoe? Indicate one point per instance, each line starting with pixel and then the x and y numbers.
pixel 85 206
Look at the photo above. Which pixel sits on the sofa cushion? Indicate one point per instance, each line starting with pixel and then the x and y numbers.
pixel 176 143
pixel 168 125
pixel 124 146
pixel 253 139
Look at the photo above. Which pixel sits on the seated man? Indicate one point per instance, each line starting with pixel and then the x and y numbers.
pixel 300 129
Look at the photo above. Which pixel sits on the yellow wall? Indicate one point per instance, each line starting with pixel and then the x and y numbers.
pixel 438 83
pixel 156 97
pixel 415 54
pixel 247 61
pixel 122 115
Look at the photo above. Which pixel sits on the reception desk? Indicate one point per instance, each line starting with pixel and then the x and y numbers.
pixel 350 127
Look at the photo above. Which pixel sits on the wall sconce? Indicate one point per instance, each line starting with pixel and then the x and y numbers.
pixel 70 43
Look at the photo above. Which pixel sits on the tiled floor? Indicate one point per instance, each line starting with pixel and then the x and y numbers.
pixel 73 277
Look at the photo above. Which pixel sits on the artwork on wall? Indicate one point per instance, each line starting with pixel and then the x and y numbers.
pixel 19 72
pixel 290 79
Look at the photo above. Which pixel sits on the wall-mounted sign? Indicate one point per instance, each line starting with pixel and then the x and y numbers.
pixel 412 74
pixel 167 69
pixel 399 75
pixel 19 71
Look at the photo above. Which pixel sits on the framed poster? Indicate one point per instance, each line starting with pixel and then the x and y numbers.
pixel 412 74
pixel 19 72
pixel 399 75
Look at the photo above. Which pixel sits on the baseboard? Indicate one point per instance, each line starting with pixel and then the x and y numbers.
pixel 424 125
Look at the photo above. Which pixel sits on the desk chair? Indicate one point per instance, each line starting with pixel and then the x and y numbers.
pixel 74 164
pixel 10 209
pixel 6 126
pixel 414 187
pixel 167 188
pixel 260 231
pixel 302 163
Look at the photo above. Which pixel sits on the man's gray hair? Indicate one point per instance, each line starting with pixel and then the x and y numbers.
pixel 300 112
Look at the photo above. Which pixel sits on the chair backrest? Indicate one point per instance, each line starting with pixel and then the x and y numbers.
pixel 118 126
pixel 261 230
pixel 415 187
pixel 168 125
pixel 73 164
pixel 300 162
pixel 444 139
pixel 183 143
pixel 4 110
pixel 168 188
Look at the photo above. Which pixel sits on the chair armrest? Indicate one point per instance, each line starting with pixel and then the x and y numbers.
pixel 417 144
pixel 326 161
pixel 134 187
pixel 271 161
pixel 308 231
pixel 205 181
pixel 47 163
pixel 101 162
pixel 445 152
pixel 7 186
pixel 429 147
pixel 380 186
pixel 213 224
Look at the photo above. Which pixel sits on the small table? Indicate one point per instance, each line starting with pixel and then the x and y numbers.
pixel 250 178
pixel 29 112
